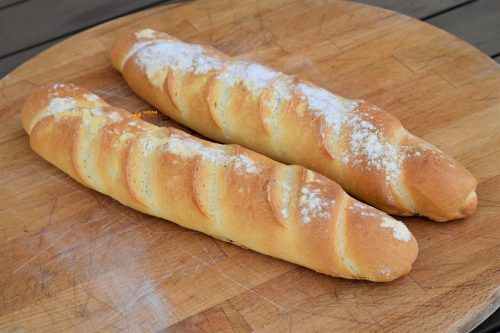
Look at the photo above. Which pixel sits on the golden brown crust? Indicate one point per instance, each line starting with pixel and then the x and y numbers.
pixel 373 247
pixel 228 192
pixel 114 149
pixel 457 199
pixel 197 183
pixel 41 140
pixel 366 178
pixel 197 99
pixel 363 148
pixel 274 192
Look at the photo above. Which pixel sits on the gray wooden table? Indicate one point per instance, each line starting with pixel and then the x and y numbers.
pixel 27 27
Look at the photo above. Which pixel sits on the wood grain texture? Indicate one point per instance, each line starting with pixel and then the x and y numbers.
pixel 477 22
pixel 415 8
pixel 75 260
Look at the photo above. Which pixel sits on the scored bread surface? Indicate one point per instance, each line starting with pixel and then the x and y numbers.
pixel 364 149
pixel 225 191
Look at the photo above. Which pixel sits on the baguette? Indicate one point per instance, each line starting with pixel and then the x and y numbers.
pixel 366 150
pixel 225 191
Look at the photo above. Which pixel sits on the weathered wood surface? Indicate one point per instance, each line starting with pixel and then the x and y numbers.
pixel 53 20
pixel 12 61
pixel 8 3
pixel 73 259
pixel 416 8
pixel 478 23
pixel 33 22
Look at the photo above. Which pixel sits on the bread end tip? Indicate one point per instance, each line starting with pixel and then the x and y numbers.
pixel 470 204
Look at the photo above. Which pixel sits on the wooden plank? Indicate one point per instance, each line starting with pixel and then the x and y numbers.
pixel 415 8
pixel 31 23
pixel 477 23
pixel 7 3
pixel 8 63
pixel 73 259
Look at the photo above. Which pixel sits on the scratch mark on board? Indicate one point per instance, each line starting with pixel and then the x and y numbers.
pixel 39 253
pixel 228 277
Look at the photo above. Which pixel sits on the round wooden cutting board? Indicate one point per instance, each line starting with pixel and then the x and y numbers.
pixel 73 259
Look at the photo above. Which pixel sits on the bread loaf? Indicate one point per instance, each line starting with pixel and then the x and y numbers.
pixel 366 150
pixel 225 191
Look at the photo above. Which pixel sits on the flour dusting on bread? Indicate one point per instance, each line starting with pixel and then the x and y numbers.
pixel 313 205
pixel 57 105
pixel 399 230
pixel 60 104
pixel 324 104
pixel 157 58
pixel 145 33
pixel 189 148
pixel 368 146
pixel 255 77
